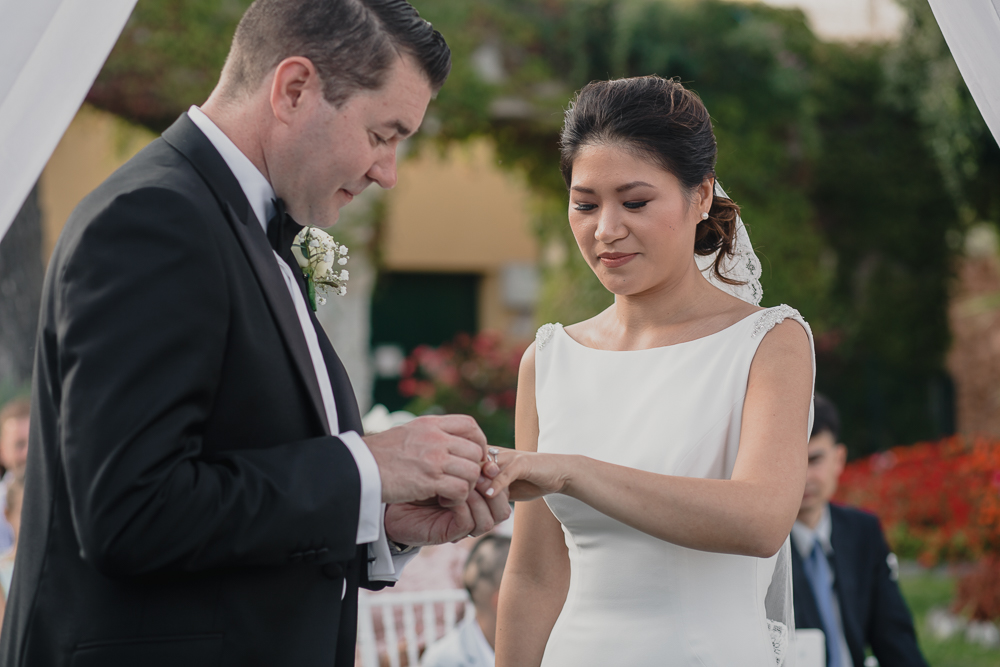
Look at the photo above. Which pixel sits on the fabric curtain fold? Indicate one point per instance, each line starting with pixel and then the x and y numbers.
pixel 50 53
pixel 972 30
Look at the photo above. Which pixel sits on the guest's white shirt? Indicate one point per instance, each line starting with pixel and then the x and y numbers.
pixel 464 646
pixel 371 523
pixel 803 537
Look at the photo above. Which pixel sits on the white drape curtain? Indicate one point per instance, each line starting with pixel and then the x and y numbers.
pixel 50 53
pixel 972 30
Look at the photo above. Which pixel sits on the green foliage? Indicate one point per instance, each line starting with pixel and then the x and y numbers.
pixel 925 591
pixel 168 57
pixel 10 391
pixel 857 167
pixel 924 80
pixel 473 376
pixel 830 157
pixel 882 203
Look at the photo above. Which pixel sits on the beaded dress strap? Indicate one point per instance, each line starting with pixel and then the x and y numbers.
pixel 772 317
pixel 544 335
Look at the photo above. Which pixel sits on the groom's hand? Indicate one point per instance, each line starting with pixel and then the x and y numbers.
pixel 426 522
pixel 431 458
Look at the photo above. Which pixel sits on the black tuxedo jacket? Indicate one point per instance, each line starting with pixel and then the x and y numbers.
pixel 872 609
pixel 184 505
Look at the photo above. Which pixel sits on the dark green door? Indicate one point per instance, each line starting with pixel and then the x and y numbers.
pixel 411 309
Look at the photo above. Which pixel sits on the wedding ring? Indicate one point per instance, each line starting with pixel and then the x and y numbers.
pixel 493 454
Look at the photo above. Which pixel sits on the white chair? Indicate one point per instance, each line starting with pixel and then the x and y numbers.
pixel 810 648
pixel 439 613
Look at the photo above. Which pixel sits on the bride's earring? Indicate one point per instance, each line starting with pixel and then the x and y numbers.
pixel 704 216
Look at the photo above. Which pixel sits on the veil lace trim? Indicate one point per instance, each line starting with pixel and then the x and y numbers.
pixel 779 640
pixel 742 266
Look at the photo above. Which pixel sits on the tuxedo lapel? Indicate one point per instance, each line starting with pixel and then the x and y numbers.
pixel 348 413
pixel 806 609
pixel 185 136
pixel 845 551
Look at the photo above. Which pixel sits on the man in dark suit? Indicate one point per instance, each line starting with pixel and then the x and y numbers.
pixel 198 490
pixel 844 576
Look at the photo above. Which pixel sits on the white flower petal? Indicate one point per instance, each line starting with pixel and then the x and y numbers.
pixel 299 257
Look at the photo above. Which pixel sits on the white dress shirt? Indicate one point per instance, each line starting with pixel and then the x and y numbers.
pixel 371 520
pixel 803 537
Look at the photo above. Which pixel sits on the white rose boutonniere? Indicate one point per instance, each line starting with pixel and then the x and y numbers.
pixel 319 256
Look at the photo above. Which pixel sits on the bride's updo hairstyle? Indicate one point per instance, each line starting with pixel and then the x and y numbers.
pixel 660 120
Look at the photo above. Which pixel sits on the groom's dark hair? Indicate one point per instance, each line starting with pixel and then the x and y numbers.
pixel 352 44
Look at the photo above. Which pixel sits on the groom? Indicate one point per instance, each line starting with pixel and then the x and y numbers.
pixel 198 492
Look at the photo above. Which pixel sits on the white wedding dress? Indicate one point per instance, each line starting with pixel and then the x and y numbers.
pixel 633 599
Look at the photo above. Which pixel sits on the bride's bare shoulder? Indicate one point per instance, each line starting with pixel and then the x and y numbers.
pixel 589 332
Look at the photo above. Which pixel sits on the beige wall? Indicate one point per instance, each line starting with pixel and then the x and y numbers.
pixel 849 20
pixel 462 212
pixel 95 144
pixel 457 212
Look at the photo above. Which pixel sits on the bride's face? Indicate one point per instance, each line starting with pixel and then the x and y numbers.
pixel 633 220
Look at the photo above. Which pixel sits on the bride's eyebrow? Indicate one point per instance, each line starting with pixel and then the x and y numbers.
pixel 633 184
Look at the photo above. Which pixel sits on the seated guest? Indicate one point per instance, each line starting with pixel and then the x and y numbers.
pixel 471 644
pixel 12 512
pixel 844 577
pixel 13 455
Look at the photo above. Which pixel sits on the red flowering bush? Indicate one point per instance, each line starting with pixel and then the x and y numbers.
pixel 472 375
pixel 938 501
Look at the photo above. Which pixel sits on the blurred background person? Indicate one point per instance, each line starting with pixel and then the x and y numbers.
pixel 844 576
pixel 472 643
pixel 13 456
pixel 12 513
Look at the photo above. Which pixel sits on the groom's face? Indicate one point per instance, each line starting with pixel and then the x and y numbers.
pixel 327 155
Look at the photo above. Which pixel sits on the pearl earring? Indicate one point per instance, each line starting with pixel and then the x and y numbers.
pixel 704 216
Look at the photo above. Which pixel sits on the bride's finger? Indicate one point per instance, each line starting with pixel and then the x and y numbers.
pixel 508 473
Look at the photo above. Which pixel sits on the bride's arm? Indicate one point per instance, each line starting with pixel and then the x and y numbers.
pixel 751 513
pixel 536 577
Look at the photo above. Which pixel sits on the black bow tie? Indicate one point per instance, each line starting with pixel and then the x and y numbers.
pixel 281 230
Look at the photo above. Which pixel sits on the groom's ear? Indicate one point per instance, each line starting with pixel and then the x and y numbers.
pixel 295 82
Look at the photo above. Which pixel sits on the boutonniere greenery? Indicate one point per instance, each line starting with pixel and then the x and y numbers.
pixel 319 257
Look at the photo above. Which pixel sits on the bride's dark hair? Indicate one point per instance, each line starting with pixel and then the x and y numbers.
pixel 665 122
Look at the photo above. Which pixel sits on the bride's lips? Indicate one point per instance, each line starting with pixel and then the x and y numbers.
pixel 348 195
pixel 613 260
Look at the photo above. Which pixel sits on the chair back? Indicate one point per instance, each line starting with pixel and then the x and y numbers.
pixel 394 626
pixel 810 648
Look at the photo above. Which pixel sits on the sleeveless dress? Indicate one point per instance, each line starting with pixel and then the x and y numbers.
pixel 676 410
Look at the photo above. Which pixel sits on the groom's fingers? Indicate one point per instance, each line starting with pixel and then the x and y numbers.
pixel 462 523
pixel 467 449
pixel 481 514
pixel 464 427
pixel 498 503
pixel 453 486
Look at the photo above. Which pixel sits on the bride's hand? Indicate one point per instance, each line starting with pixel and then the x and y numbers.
pixel 530 475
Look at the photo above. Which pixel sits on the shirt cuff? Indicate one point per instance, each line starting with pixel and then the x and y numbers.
pixel 382 565
pixel 370 515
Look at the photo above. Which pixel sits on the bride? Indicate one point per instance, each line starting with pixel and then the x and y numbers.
pixel 661 445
